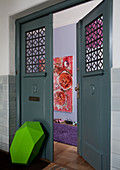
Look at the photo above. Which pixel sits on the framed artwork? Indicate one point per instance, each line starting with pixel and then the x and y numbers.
pixel 63 83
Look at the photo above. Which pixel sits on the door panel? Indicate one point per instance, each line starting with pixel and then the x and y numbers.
pixel 36 77
pixel 94 78
pixel 91 99
pixel 33 87
pixel 91 120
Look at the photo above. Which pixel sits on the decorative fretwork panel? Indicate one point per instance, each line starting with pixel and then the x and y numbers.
pixel 94 45
pixel 35 51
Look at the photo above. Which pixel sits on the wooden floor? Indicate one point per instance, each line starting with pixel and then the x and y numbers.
pixel 67 156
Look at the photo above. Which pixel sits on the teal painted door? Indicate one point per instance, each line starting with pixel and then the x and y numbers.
pixel 94 78
pixel 36 77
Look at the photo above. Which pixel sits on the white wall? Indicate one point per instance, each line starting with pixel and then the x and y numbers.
pixel 7 8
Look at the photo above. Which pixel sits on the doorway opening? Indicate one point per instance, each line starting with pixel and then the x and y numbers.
pixel 65 84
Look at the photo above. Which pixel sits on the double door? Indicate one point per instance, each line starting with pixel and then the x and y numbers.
pixel 93 76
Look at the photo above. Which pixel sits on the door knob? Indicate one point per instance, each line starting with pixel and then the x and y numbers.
pixel 77 89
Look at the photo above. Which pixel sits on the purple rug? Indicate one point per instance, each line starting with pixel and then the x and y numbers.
pixel 65 134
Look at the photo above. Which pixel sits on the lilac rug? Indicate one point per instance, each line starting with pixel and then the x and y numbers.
pixel 65 134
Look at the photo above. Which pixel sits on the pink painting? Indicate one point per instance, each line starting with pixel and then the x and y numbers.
pixel 63 83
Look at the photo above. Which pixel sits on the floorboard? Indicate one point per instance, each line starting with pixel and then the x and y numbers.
pixel 67 156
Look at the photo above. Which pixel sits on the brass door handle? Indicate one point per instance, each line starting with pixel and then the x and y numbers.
pixel 78 92
pixel 76 88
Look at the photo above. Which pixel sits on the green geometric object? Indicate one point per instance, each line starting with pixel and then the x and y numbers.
pixel 27 142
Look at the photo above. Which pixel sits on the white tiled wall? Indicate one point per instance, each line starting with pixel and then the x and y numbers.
pixel 7 111
pixel 4 113
pixel 115 119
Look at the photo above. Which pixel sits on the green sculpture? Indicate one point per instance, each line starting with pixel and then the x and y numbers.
pixel 27 142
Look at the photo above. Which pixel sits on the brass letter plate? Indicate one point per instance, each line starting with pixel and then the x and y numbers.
pixel 31 98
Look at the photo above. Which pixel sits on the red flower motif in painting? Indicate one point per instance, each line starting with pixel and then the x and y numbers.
pixel 63 81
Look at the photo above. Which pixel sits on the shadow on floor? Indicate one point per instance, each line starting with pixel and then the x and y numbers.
pixel 5 163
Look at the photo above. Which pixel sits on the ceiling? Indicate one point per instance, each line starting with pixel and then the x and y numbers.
pixel 74 14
